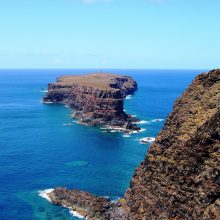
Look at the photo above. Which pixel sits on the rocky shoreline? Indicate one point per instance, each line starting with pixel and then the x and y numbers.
pixel 96 99
pixel 179 177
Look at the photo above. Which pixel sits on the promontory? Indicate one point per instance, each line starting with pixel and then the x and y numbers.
pixel 179 177
pixel 95 99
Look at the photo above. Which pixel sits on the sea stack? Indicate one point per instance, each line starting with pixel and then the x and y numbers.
pixel 95 99
pixel 179 177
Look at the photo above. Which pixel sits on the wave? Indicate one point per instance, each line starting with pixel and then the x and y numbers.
pixel 157 120
pixel 126 135
pixel 44 90
pixel 75 214
pixel 109 131
pixel 147 140
pixel 43 194
pixel 68 124
pixel 133 132
pixel 48 102
pixel 142 122
pixel 143 129
pixel 115 199
pixel 150 121
pixel 128 97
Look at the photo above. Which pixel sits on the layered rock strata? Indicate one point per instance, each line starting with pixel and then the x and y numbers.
pixel 96 99
pixel 179 177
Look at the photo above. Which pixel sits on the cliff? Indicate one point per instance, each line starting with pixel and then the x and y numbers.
pixel 179 177
pixel 96 99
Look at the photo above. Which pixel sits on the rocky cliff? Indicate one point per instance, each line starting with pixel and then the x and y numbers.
pixel 179 177
pixel 96 99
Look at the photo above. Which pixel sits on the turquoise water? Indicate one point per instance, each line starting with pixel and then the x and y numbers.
pixel 38 152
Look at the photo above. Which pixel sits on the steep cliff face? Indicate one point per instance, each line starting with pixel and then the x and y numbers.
pixel 179 177
pixel 96 99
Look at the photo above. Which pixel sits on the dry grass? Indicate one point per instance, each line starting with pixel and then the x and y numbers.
pixel 97 80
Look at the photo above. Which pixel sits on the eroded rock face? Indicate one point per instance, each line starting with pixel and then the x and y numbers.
pixel 87 205
pixel 96 99
pixel 179 177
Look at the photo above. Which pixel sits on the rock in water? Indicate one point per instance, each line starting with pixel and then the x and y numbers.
pixel 179 177
pixel 84 203
pixel 96 99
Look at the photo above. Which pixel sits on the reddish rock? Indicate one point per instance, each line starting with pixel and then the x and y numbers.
pixel 96 99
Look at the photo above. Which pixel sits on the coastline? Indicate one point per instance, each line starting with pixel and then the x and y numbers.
pixel 95 99
pixel 45 195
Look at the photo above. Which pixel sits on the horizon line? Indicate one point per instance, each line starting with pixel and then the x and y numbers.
pixel 108 68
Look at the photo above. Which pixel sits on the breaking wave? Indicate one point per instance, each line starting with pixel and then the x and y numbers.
pixel 43 194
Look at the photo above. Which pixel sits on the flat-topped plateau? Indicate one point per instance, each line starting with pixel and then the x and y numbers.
pixel 95 99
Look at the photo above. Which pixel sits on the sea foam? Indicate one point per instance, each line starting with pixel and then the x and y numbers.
pixel 48 102
pixel 67 124
pixel 43 194
pixel 147 140
pixel 75 214
pixel 142 122
pixel 44 90
pixel 150 121
pixel 128 97
pixel 126 135
pixel 157 120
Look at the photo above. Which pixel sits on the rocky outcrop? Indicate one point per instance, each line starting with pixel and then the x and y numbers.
pixel 179 177
pixel 96 99
pixel 87 205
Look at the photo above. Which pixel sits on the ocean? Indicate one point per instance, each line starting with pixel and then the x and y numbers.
pixel 41 146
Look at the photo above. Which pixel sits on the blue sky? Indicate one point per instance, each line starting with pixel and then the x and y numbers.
pixel 143 34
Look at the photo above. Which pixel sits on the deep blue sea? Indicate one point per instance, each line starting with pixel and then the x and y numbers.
pixel 37 151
